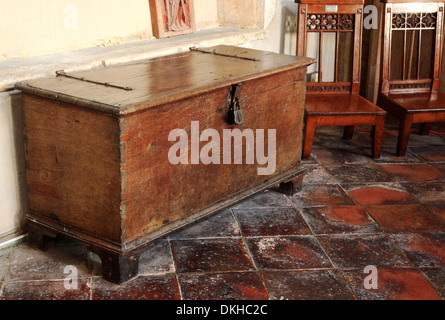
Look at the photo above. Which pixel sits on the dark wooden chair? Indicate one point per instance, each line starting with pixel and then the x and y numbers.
pixel 411 65
pixel 331 31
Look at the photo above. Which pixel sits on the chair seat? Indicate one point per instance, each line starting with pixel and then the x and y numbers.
pixel 340 105
pixel 418 102
pixel 348 110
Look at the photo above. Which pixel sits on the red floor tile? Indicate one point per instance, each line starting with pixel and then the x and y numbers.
pixel 379 194
pixel 210 255
pixel 436 276
pixel 297 252
pixel 321 195
pixel 392 284
pixel 440 166
pixel 47 290
pixel 306 285
pixel 439 210
pixel 339 219
pixel 223 286
pixel 271 221
pixel 162 287
pixel 413 172
pixel 423 249
pixel 428 193
pixel 406 218
pixel 359 251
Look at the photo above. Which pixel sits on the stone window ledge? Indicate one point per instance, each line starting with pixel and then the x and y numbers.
pixel 20 69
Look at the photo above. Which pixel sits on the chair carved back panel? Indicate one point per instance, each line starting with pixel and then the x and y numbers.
pixel 331 32
pixel 412 46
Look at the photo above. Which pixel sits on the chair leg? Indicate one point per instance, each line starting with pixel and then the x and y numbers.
pixel 377 136
pixel 309 132
pixel 348 132
pixel 406 123
pixel 425 129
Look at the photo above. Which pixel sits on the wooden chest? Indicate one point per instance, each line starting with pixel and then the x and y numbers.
pixel 120 156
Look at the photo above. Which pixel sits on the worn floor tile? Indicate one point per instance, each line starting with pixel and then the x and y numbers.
pixel 27 263
pixel 430 152
pixel 429 193
pixel 417 141
pixel 436 277
pixel 423 249
pixel 340 156
pixel 264 199
pixel 222 286
pixel 210 255
pixel 439 210
pixel 359 251
pixel 157 259
pixel 413 172
pixel 309 161
pixel 331 137
pixel 316 174
pixel 306 285
pixel 358 173
pixel 271 221
pixel 311 195
pixel 339 219
pixel 48 290
pixel 220 225
pixel 406 218
pixel 392 284
pixel 363 139
pixel 388 155
pixel 379 194
pixel 160 287
pixel 296 252
pixel 5 254
pixel 440 166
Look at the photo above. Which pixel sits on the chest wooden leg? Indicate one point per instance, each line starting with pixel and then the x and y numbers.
pixel 117 268
pixel 39 237
pixel 294 185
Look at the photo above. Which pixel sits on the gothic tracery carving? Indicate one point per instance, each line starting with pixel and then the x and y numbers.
pixel 414 20
pixel 330 22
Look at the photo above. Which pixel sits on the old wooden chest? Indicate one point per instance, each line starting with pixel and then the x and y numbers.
pixel 120 156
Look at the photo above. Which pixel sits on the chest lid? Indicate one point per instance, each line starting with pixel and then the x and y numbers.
pixel 129 87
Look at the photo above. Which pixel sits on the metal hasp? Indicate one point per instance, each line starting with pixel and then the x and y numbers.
pixel 236 115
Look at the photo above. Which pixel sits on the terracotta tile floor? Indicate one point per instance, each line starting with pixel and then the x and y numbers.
pixel 353 212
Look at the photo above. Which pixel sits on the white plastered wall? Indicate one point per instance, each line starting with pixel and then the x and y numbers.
pixel 30 27
pixel 33 27
pixel 12 175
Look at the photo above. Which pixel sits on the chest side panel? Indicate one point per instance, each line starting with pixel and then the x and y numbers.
pixel 72 166
pixel 157 192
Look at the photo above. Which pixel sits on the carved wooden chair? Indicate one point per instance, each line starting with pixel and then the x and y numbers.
pixel 331 32
pixel 411 65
